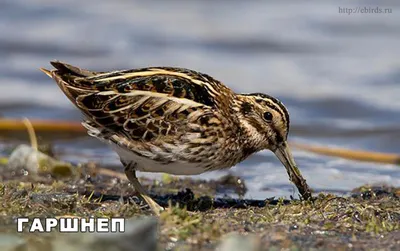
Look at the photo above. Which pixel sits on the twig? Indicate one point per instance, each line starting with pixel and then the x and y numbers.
pixel 31 132
pixel 387 158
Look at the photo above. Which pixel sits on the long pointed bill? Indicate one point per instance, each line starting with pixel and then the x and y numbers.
pixel 285 156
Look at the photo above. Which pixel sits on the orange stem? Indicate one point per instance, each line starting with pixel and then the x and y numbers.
pixel 387 158
pixel 41 125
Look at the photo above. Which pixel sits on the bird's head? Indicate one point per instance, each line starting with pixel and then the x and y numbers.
pixel 265 120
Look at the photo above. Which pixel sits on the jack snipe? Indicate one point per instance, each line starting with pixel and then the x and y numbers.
pixel 177 121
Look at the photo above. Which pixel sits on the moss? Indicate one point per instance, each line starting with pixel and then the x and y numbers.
pixel 368 218
pixel 3 161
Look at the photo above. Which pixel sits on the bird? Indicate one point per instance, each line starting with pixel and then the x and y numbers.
pixel 175 120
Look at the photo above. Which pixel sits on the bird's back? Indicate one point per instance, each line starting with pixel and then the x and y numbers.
pixel 160 113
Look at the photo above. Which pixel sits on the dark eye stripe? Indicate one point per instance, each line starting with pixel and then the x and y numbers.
pixel 276 105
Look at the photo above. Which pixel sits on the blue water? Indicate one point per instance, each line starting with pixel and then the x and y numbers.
pixel 338 74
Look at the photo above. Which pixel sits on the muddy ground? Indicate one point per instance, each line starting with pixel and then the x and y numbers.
pixel 368 219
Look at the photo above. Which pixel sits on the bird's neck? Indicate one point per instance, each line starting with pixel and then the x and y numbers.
pixel 252 140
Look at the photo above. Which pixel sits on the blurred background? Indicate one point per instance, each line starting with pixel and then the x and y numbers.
pixel 338 74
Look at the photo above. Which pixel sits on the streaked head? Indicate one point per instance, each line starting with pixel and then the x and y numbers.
pixel 266 121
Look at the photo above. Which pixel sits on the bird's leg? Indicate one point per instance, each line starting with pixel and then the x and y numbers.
pixel 131 175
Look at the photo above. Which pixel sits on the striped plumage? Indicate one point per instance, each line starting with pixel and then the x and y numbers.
pixel 174 120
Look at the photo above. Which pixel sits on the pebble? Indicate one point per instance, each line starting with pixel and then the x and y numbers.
pixel 238 242
pixel 25 157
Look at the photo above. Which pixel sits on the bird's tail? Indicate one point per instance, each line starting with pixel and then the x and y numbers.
pixel 71 80
pixel 63 68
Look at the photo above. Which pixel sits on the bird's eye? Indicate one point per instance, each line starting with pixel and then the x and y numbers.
pixel 267 116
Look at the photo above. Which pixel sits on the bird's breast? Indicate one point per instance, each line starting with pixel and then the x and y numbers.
pixel 148 164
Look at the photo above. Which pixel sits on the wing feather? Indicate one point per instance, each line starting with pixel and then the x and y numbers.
pixel 144 104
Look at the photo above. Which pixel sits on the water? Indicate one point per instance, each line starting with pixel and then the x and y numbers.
pixel 337 73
